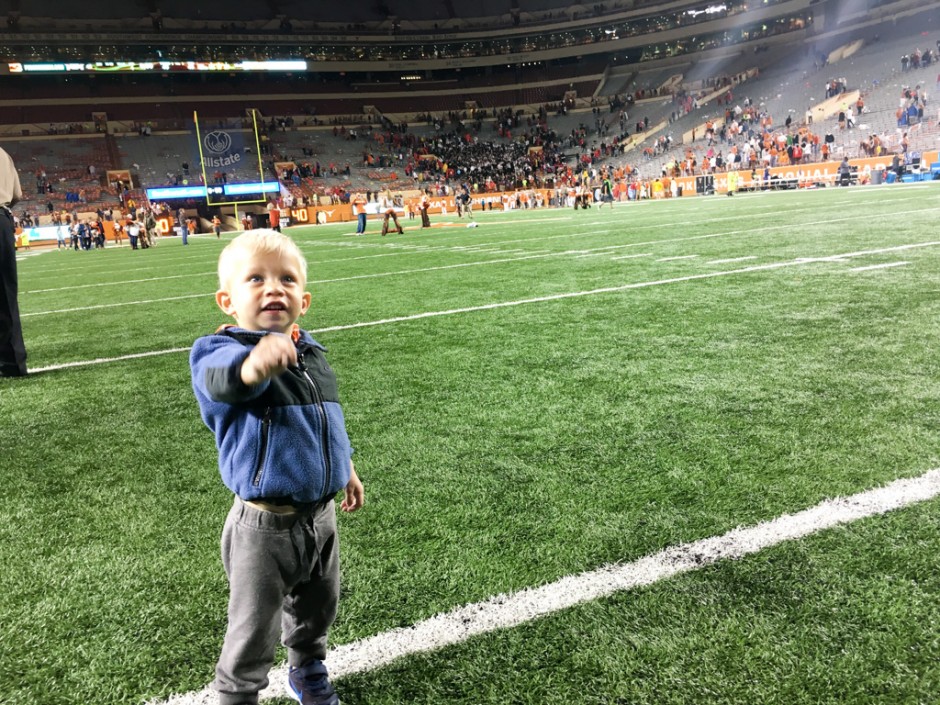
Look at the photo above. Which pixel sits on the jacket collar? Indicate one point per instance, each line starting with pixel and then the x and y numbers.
pixel 302 339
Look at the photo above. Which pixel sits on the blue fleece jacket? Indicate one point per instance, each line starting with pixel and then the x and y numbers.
pixel 284 439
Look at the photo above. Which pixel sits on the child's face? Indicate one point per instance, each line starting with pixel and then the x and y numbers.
pixel 264 292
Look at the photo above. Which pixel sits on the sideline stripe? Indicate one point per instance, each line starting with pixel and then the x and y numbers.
pixel 538 299
pixel 513 609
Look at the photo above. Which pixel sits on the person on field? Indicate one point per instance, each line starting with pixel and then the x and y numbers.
pixel 274 216
pixel 423 206
pixel 12 347
pixel 181 225
pixel 388 210
pixel 266 391
pixel 359 210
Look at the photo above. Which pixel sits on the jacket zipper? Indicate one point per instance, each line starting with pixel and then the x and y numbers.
pixel 265 429
pixel 325 431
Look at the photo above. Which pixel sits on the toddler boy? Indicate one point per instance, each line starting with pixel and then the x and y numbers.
pixel 266 391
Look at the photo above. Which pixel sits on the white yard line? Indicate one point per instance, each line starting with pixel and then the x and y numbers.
pixel 879 266
pixel 578 233
pixel 478 263
pixel 126 281
pixel 539 299
pixel 642 254
pixel 834 258
pixel 107 360
pixel 647 243
pixel 509 610
pixel 69 265
pixel 733 259
pixel 672 259
pixel 115 305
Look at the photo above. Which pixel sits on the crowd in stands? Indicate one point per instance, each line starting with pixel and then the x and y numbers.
pixel 918 59
pixel 835 86
pixel 913 103
pixel 523 151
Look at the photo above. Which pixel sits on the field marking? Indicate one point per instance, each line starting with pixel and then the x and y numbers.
pixel 879 266
pixel 537 299
pixel 732 259
pixel 672 259
pixel 116 304
pixel 107 268
pixel 449 248
pixel 479 263
pixel 445 247
pixel 108 265
pixel 373 275
pixel 832 258
pixel 537 254
pixel 19 256
pixel 642 254
pixel 747 231
pixel 127 281
pixel 509 610
pixel 106 360
pixel 424 269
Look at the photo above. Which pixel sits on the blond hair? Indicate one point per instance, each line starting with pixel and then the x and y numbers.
pixel 259 242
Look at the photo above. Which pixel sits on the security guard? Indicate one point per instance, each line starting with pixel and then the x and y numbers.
pixel 12 348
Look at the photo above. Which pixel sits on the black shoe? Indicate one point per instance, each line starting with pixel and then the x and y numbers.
pixel 12 371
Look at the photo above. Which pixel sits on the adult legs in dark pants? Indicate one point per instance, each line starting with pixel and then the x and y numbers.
pixel 12 347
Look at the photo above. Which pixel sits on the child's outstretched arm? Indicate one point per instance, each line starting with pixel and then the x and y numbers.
pixel 354 496
pixel 273 354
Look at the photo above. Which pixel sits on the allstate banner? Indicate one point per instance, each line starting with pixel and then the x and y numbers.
pixel 227 153
pixel 222 149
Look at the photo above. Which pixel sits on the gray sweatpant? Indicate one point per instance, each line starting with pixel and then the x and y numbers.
pixel 283 573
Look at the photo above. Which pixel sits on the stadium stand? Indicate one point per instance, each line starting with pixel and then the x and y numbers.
pixel 596 110
pixel 796 80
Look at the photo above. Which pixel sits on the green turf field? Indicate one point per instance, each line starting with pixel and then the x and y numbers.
pixel 545 394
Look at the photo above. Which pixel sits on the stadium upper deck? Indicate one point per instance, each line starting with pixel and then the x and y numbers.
pixel 646 31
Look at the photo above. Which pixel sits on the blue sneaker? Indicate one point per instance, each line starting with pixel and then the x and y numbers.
pixel 310 684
